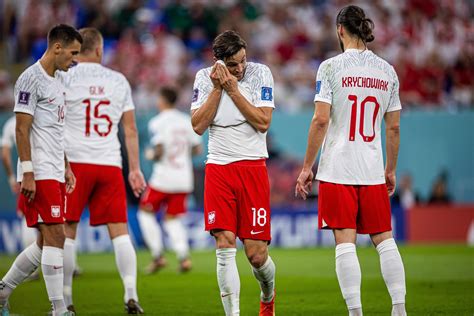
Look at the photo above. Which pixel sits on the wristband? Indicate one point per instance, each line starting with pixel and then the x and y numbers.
pixel 27 166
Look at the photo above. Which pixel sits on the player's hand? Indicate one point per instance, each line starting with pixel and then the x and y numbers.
pixel 304 183
pixel 228 82
pixel 391 181
pixel 137 182
pixel 214 77
pixel 28 186
pixel 70 180
pixel 14 186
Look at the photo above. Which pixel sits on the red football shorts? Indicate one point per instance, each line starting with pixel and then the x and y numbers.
pixel 155 199
pixel 365 208
pixel 20 205
pixel 237 199
pixel 48 206
pixel 103 189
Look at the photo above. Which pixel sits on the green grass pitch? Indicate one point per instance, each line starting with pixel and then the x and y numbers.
pixel 440 281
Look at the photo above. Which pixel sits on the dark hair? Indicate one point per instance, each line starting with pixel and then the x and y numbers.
pixel 227 44
pixel 353 19
pixel 63 33
pixel 169 94
pixel 91 37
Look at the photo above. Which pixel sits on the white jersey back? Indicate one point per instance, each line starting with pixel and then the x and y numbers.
pixel 173 173
pixel 8 133
pixel 361 87
pixel 96 97
pixel 43 97
pixel 231 137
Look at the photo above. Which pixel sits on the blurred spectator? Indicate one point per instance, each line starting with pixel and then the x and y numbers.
pixel 405 196
pixel 439 192
pixel 6 92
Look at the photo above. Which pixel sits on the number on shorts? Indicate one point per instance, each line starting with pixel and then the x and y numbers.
pixel 259 216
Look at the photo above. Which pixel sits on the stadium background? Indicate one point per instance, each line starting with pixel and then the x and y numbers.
pixel 156 43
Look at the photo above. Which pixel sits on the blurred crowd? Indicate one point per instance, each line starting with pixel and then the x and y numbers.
pixel 164 42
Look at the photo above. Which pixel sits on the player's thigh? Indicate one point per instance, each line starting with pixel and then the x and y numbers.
pixel 176 204
pixel 337 206
pixel 86 175
pixel 374 210
pixel 47 206
pixel 152 199
pixel 220 201
pixel 108 203
pixel 254 213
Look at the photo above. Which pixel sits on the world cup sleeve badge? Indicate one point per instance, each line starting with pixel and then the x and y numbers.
pixel 267 94
pixel 318 86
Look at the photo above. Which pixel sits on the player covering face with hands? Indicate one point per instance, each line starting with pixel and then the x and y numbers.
pixel 355 91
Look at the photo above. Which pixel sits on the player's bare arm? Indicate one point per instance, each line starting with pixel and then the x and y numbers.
pixel 201 118
pixel 69 176
pixel 196 150
pixel 135 176
pixel 7 163
pixel 154 153
pixel 317 133
pixel 259 117
pixel 392 142
pixel 23 126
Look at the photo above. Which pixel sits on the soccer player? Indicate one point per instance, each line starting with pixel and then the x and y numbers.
pixel 28 234
pixel 354 92
pixel 234 99
pixel 43 170
pixel 174 142
pixel 99 99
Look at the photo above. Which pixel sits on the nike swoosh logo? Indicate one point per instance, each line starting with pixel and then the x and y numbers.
pixel 255 233
pixel 51 100
pixel 57 267
pixel 224 295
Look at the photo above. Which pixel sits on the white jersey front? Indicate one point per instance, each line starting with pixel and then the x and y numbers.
pixel 361 87
pixel 173 173
pixel 8 133
pixel 43 97
pixel 231 137
pixel 96 97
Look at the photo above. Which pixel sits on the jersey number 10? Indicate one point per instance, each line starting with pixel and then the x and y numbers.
pixel 352 129
pixel 96 107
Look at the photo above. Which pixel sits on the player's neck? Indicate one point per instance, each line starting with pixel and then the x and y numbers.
pixel 354 44
pixel 47 62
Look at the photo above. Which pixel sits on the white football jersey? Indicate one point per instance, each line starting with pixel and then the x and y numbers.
pixel 43 97
pixel 231 137
pixel 8 133
pixel 361 87
pixel 173 173
pixel 96 98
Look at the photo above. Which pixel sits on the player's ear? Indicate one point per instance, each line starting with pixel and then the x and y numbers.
pixel 57 47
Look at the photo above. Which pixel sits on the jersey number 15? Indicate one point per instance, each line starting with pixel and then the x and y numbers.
pixel 96 107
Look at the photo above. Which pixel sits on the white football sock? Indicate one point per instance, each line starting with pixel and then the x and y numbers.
pixel 393 274
pixel 126 260
pixel 69 266
pixel 349 276
pixel 151 232
pixel 28 234
pixel 25 263
pixel 228 280
pixel 53 274
pixel 178 237
pixel 266 278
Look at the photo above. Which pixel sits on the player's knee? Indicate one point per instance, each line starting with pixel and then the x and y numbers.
pixel 378 238
pixel 54 236
pixel 224 239
pixel 257 258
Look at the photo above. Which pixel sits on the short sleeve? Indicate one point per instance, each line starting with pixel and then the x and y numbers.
pixel 264 88
pixel 26 96
pixel 323 84
pixel 128 104
pixel 394 103
pixel 8 134
pixel 154 132
pixel 201 89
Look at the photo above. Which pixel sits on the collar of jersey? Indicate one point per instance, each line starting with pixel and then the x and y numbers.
pixel 44 71
pixel 355 50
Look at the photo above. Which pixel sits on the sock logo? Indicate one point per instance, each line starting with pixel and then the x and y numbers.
pixel 211 217
pixel 225 294
pixel 57 267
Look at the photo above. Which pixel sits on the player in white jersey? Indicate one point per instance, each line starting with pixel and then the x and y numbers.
pixel 98 100
pixel 43 169
pixel 234 99
pixel 354 92
pixel 8 143
pixel 173 143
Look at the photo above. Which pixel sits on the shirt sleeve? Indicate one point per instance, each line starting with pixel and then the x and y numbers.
pixel 394 103
pixel 128 104
pixel 8 134
pixel 201 89
pixel 323 85
pixel 26 96
pixel 265 88
pixel 156 137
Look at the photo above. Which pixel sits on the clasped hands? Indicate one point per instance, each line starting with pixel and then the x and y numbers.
pixel 223 79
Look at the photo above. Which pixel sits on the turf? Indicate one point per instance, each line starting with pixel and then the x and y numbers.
pixel 440 281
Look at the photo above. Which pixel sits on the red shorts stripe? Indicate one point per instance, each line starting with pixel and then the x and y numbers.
pixel 103 189
pixel 48 205
pixel 237 199
pixel 174 202
pixel 365 208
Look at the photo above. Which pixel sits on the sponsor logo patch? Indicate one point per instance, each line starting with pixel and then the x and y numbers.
pixel 211 217
pixel 55 211
pixel 24 97
pixel 267 94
